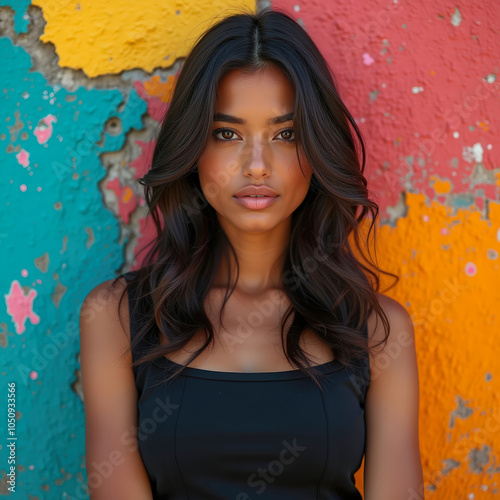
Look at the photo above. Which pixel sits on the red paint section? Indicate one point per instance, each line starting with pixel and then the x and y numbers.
pixel 142 163
pixel 127 201
pixel 419 78
pixel 147 234
pixel 20 306
pixel 156 107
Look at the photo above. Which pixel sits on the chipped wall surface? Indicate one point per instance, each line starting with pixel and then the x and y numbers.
pixel 81 102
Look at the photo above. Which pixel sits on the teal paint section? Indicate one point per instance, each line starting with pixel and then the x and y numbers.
pixel 20 19
pixel 45 243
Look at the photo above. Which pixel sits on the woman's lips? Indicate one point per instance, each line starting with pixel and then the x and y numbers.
pixel 256 203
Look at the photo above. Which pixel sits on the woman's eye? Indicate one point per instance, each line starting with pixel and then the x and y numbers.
pixel 287 135
pixel 224 135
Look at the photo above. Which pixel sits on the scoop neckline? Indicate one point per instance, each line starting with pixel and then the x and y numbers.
pixel 190 371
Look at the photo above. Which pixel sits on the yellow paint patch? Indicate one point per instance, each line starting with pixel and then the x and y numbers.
pixel 440 186
pixel 456 319
pixel 117 35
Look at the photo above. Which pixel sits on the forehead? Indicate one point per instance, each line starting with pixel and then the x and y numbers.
pixel 267 89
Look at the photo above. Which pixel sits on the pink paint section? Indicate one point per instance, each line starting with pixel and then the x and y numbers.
pixel 147 234
pixel 398 48
pixel 33 375
pixel 367 59
pixel 127 201
pixel 20 306
pixel 156 107
pixel 23 158
pixel 470 269
pixel 142 163
pixel 44 132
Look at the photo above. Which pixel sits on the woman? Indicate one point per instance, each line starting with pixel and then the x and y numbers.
pixel 245 358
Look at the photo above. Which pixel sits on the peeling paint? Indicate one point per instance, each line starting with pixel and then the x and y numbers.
pixel 90 237
pixel 456 18
pixel 449 465
pixel 478 458
pixel 42 262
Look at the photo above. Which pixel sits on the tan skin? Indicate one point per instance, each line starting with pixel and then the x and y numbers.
pixel 254 152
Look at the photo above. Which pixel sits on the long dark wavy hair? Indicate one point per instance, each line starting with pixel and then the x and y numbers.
pixel 332 289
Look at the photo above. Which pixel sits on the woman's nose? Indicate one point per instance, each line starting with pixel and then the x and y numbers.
pixel 255 161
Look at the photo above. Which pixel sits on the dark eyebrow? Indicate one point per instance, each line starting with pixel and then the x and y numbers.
pixel 221 117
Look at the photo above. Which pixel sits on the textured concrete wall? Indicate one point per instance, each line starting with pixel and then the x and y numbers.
pixel 81 100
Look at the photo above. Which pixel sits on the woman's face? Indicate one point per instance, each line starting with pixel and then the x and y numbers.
pixel 252 143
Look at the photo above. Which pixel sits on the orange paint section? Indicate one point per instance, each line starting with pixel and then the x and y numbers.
pixel 164 90
pixel 449 269
pixel 440 186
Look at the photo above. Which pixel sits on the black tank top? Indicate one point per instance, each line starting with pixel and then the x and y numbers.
pixel 212 435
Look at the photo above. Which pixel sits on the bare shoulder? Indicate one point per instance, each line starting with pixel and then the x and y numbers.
pixel 106 295
pixel 102 307
pixel 400 322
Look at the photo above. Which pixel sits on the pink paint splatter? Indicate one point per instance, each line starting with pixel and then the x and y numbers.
pixel 368 59
pixel 143 162
pixel 24 273
pixel 33 375
pixel 23 158
pixel 39 281
pixel 156 107
pixel 23 187
pixel 444 231
pixel 20 306
pixel 31 467
pixel 43 131
pixel 470 269
pixel 127 201
pixel 425 218
pixel 38 188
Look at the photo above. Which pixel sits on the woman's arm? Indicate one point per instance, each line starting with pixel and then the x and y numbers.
pixel 114 465
pixel 393 469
